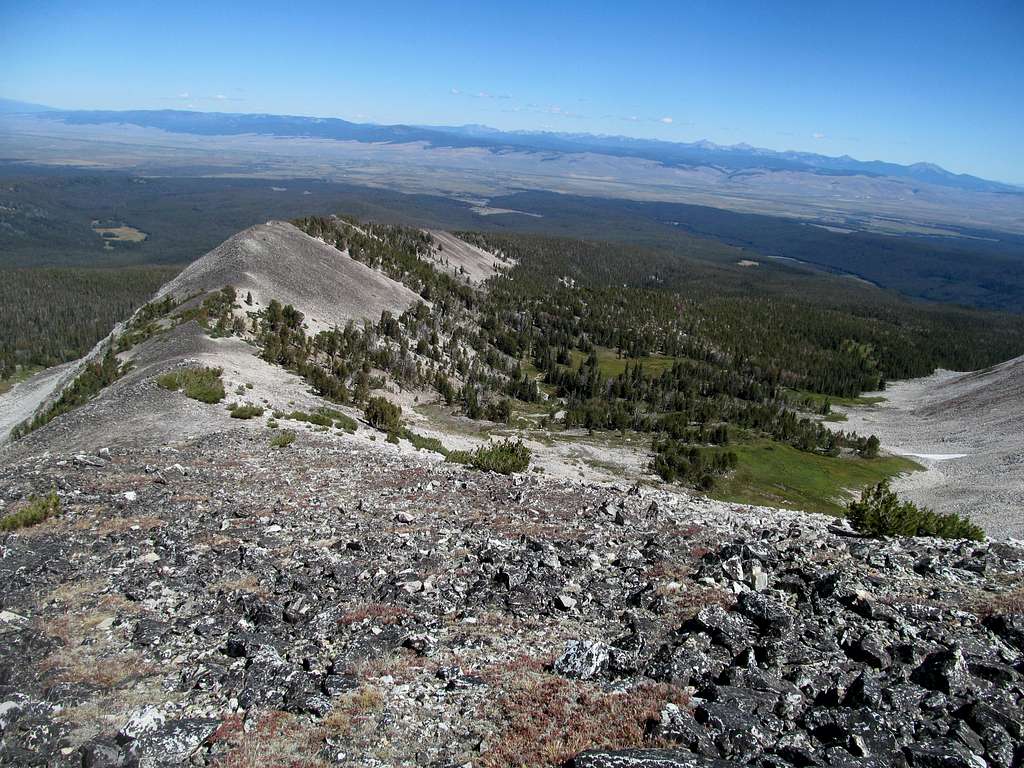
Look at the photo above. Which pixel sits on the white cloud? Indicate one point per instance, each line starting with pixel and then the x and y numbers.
pixel 666 120
pixel 184 95
pixel 817 135
pixel 220 97
pixel 478 94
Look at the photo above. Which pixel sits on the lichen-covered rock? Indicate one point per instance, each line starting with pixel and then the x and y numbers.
pixel 583 659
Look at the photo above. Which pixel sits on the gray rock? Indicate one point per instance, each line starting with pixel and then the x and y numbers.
pixel 583 659
pixel 946 672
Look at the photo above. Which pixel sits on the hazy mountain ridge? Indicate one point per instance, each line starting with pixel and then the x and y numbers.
pixel 737 157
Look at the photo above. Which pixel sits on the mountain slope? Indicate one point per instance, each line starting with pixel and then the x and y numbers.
pixel 277 261
pixel 208 596
pixel 271 261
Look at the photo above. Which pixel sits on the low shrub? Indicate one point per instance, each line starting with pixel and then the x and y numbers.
pixel 319 419
pixel 202 384
pixel 880 512
pixel 36 511
pixel 341 420
pixel 282 439
pixel 245 411
pixel 460 457
pixel 505 457
pixel 420 442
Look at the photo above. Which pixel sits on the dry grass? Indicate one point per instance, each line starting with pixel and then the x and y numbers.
pixel 71 593
pixel 684 604
pixel 89 653
pixel 1002 604
pixel 106 713
pixel 106 525
pixel 95 661
pixel 545 719
pixel 283 740
pixel 277 739
pixel 354 713
pixel 403 666
pixel 246 582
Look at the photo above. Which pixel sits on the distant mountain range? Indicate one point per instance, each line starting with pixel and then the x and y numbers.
pixel 735 159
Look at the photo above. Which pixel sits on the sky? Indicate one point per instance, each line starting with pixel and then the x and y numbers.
pixel 905 82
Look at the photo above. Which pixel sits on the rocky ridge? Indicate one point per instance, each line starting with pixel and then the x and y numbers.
pixel 215 601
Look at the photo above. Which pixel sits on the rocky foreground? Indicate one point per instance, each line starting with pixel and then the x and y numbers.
pixel 221 602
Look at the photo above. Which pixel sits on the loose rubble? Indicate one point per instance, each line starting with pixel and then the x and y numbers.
pixel 217 602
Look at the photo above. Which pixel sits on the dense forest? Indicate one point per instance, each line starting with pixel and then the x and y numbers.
pixel 46 215
pixel 972 267
pixel 801 329
pixel 54 314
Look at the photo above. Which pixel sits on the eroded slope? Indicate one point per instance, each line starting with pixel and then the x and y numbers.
pixel 278 261
pixel 966 428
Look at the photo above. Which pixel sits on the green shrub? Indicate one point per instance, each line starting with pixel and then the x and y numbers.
pixel 282 439
pixel 202 384
pixel 460 457
pixel 245 411
pixel 36 511
pixel 383 414
pixel 341 421
pixel 880 512
pixel 319 419
pixel 347 423
pixel 420 442
pixel 505 457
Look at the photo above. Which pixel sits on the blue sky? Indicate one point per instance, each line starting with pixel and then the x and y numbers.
pixel 932 81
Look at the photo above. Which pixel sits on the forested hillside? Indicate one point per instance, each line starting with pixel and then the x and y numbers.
pixel 55 314
pixel 627 339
